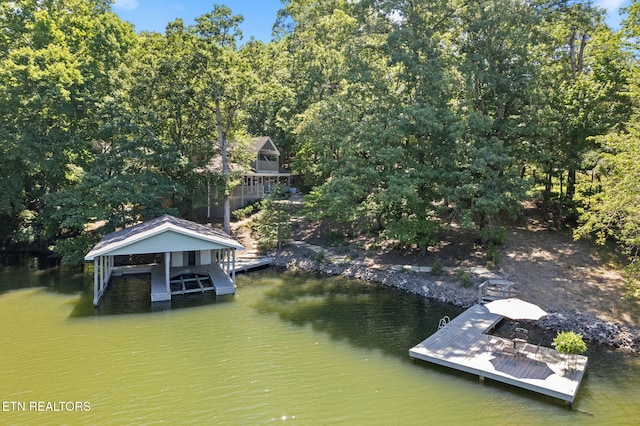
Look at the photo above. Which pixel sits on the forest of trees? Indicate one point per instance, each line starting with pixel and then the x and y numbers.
pixel 397 116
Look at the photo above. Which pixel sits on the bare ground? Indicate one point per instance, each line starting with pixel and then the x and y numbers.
pixel 558 273
pixel 548 267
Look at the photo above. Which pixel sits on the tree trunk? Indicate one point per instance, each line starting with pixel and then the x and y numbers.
pixel 222 141
pixel 571 184
pixel 227 215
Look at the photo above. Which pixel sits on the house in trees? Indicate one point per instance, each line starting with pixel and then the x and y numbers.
pixel 264 173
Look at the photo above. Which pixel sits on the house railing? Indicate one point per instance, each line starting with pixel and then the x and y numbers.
pixel 267 166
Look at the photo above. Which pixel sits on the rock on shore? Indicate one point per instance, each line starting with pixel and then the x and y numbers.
pixel 448 290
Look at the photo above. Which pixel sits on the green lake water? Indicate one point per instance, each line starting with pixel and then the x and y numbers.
pixel 287 348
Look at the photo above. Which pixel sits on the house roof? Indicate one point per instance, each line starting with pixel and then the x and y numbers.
pixel 264 144
pixel 162 234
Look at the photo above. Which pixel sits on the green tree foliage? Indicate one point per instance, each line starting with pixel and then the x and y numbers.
pixel 423 123
pixel 584 86
pixel 56 66
pixel 398 116
pixel 273 223
pixel 494 57
pixel 269 109
pixel 611 209
pixel 609 198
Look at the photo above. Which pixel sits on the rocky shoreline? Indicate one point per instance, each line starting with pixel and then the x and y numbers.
pixel 448 290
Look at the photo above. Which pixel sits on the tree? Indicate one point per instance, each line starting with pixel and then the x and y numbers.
pixel 273 223
pixel 56 66
pixel 269 109
pixel 610 201
pixel 494 56
pixel 586 75
pixel 225 81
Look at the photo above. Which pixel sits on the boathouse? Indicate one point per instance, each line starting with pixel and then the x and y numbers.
pixel 194 258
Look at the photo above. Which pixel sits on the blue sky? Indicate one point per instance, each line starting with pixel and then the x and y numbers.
pixel 613 7
pixel 154 15
pixel 259 15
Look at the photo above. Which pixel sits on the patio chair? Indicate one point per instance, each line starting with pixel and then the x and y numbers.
pixel 509 350
pixel 495 343
pixel 521 335
pixel 533 349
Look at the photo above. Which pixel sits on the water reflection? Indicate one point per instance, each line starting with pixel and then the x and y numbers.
pixel 129 294
pixel 366 315
pixel 287 346
pixel 19 271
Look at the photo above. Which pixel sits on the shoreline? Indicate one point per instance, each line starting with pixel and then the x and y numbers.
pixel 448 290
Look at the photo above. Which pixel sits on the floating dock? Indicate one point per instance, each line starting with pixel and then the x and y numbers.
pixel 463 344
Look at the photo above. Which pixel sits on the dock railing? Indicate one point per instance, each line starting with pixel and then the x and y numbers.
pixel 495 289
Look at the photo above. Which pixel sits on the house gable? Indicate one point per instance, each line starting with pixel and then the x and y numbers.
pixel 163 234
pixel 265 146
pixel 168 240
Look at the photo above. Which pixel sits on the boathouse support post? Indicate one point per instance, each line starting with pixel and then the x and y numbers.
pixel 102 273
pixel 167 271
pixel 233 269
pixel 109 262
pixel 96 297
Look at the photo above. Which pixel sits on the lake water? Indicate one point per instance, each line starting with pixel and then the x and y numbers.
pixel 287 348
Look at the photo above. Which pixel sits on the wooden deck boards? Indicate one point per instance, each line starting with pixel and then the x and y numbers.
pixel 464 345
pixel 250 263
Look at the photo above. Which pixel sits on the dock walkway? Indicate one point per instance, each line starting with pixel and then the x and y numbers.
pixel 464 345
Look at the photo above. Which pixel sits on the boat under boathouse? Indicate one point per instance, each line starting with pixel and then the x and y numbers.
pixel 194 258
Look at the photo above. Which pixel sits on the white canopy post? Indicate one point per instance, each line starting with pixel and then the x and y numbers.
pixel 96 278
pixel 102 273
pixel 233 270
pixel 167 271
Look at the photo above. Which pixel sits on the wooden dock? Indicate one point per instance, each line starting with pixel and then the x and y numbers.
pixel 463 344
pixel 250 263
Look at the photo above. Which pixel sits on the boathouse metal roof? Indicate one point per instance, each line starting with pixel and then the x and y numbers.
pixel 162 234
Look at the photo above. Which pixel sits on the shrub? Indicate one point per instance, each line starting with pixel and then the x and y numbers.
pixel 569 342
pixel 242 213
pixel 335 238
pixel 464 277
pixel 493 235
pixel 493 253
pixel 320 258
pixel 437 268
pixel 632 282
pixel 273 225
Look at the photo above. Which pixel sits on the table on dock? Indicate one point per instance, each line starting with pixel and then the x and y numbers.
pixel 463 344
